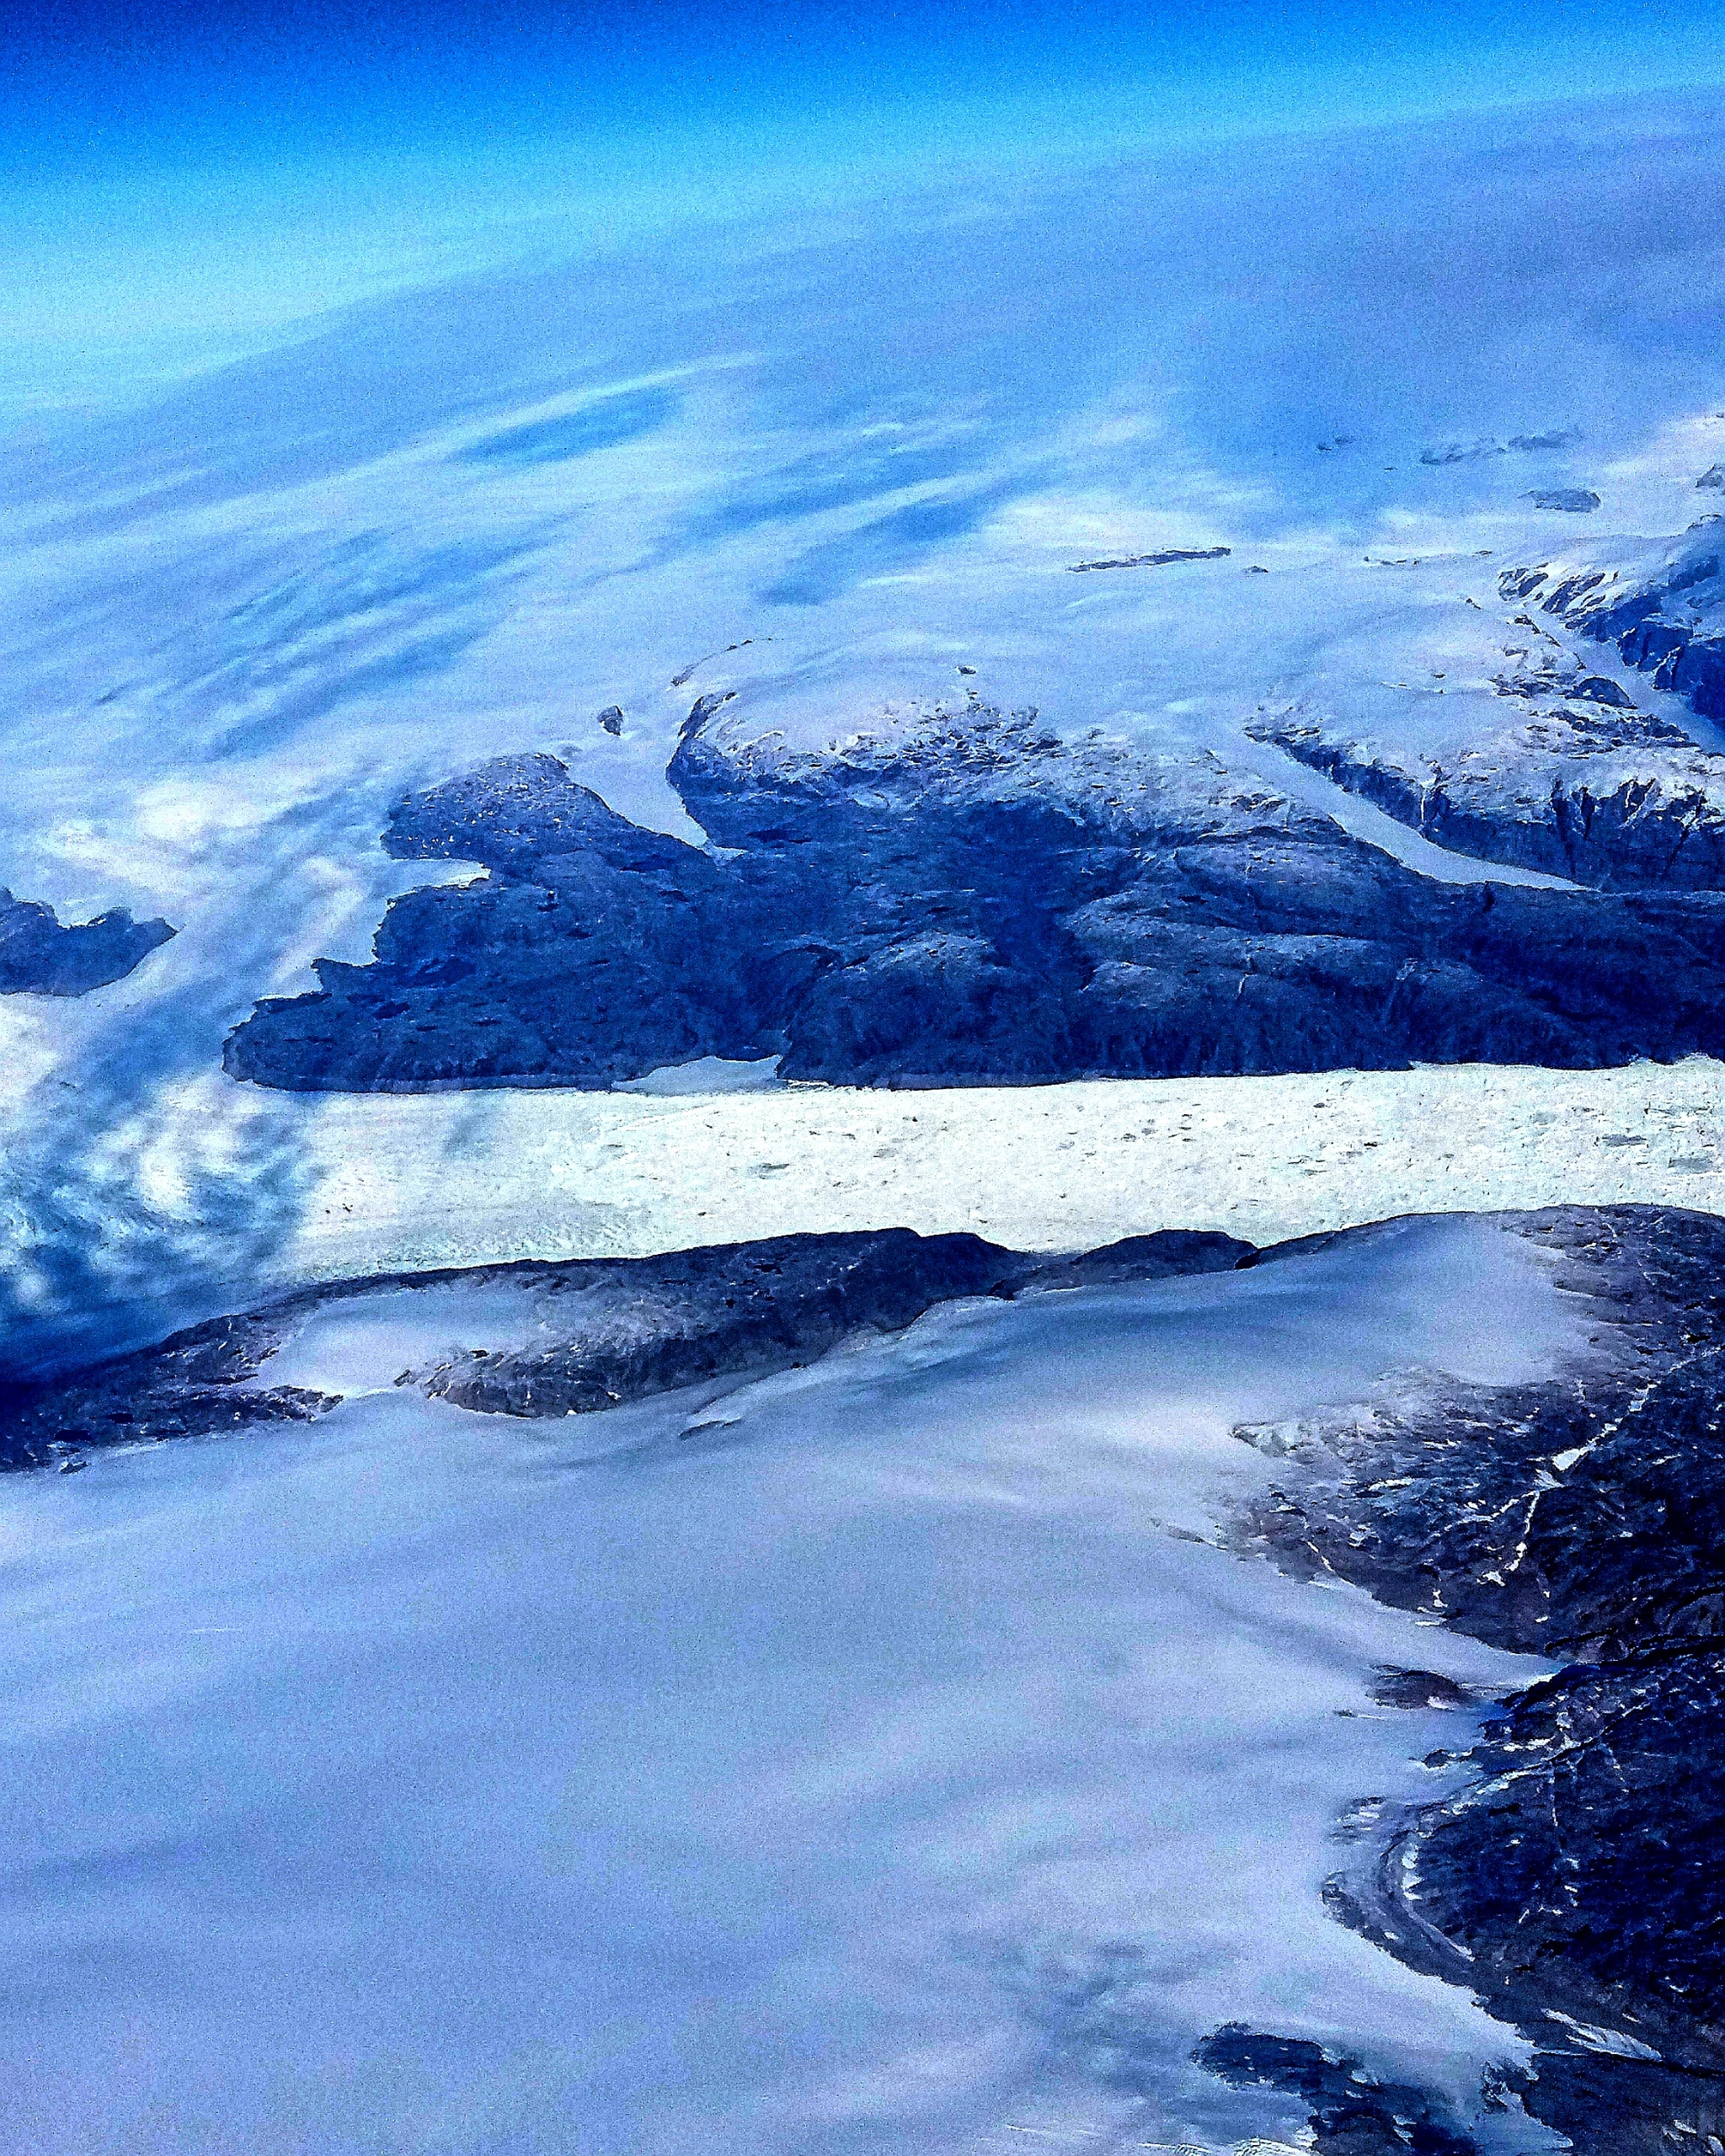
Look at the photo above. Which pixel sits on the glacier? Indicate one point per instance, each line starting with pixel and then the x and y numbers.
pixel 885 1751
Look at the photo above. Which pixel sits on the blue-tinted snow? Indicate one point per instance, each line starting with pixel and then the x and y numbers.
pixel 242 621
pixel 877 1758
pixel 606 423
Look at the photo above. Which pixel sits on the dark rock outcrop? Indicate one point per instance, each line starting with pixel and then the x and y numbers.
pixel 197 1383
pixel 1157 1257
pixel 1413 1688
pixel 1662 608
pixel 39 953
pixel 1581 1516
pixel 965 898
pixel 1573 1878
pixel 1154 561
pixel 1579 501
pixel 1353 2113
pixel 1575 1884
pixel 598 1331
pixel 1587 788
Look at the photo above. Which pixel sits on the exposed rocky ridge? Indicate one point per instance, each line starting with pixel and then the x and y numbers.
pixel 1579 783
pixel 964 898
pixel 1524 1515
pixel 40 953
pixel 1583 788
pixel 1574 1885
pixel 1574 1881
pixel 1154 561
pixel 1352 2112
pixel 1663 608
pixel 586 1334
pixel 1457 452
pixel 196 1382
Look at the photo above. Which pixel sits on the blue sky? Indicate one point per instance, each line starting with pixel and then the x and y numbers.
pixel 183 181
pixel 181 83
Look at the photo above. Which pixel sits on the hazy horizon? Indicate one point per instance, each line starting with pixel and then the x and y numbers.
pixel 187 186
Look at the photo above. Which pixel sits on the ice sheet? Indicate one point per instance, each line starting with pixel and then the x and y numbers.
pixel 882 1763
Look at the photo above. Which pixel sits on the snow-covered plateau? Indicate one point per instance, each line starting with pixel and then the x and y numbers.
pixel 885 1754
pixel 847 1687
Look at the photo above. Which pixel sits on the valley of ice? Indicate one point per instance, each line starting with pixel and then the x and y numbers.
pixel 390 1182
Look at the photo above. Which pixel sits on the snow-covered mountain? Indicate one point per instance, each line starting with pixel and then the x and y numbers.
pixel 831 472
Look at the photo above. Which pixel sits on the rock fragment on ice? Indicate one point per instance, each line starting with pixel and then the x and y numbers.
pixel 39 953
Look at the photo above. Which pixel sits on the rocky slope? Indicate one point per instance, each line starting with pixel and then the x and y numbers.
pixel 1578 783
pixel 551 1339
pixel 964 898
pixel 41 954
pixel 1664 607
pixel 1574 779
pixel 1572 1882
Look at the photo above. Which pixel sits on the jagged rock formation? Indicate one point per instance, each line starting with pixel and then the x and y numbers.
pixel 1579 783
pixel 964 898
pixel 1579 501
pixel 1524 1515
pixel 1574 1881
pixel 1352 2112
pixel 39 953
pixel 1583 785
pixel 564 1337
pixel 1457 452
pixel 1663 608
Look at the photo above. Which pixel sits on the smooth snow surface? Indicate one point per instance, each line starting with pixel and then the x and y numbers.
pixel 876 1759
pixel 363 1345
pixel 707 1074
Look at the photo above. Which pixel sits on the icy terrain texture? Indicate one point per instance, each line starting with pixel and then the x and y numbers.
pixel 1504 1427
pixel 886 1754
pixel 541 510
